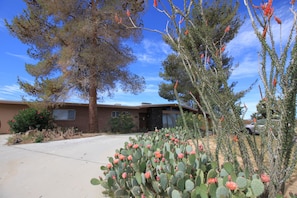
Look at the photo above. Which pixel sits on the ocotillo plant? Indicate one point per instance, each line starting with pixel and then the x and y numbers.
pixel 278 72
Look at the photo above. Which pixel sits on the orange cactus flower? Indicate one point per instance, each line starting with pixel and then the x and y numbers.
pixel 158 154
pixel 227 29
pixel 135 146
pixel 109 165
pixel 212 180
pixel 128 13
pixel 147 175
pixel 277 20
pixel 124 175
pixel 180 156
pixel 231 185
pixel 155 3
pixel 130 157
pixel 265 178
pixel 201 147
pixel 122 157
pixel 116 161
pixel 274 82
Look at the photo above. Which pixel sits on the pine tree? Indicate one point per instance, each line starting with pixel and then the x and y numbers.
pixel 79 48
pixel 221 16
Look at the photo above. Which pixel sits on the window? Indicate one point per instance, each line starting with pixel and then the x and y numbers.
pixel 115 114
pixel 169 120
pixel 64 114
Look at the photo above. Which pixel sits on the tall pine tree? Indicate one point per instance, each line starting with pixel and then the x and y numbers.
pixel 223 21
pixel 78 46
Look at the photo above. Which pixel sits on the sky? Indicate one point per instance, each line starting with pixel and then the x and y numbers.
pixel 150 53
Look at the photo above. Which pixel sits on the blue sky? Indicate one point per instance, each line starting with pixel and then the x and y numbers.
pixel 150 53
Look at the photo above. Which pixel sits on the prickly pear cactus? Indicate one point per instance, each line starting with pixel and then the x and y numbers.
pixel 163 164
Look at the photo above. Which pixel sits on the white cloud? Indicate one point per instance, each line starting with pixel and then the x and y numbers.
pixel 152 51
pixel 23 57
pixel 153 78
pixel 11 90
pixel 243 41
pixel 248 67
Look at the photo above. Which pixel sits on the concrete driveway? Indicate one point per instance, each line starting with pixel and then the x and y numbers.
pixel 55 169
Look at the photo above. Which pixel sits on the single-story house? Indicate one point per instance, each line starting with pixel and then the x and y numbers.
pixel 146 116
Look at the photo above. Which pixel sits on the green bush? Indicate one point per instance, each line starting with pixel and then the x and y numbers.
pixel 165 164
pixel 30 118
pixel 123 123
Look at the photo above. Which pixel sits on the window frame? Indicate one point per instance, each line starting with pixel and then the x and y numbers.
pixel 71 114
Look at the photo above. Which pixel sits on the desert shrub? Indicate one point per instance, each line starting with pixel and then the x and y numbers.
pixel 30 118
pixel 39 137
pixel 122 123
pixel 165 164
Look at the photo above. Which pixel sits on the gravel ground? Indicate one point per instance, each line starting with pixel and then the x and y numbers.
pixel 55 169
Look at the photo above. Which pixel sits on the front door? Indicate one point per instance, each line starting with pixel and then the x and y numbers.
pixel 143 122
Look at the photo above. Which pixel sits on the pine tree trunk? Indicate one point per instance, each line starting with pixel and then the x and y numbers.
pixel 93 114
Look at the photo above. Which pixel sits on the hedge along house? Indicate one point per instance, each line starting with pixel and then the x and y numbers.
pixel 146 117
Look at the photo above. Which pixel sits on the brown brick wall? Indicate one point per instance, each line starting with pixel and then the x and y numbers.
pixel 104 115
pixel 7 112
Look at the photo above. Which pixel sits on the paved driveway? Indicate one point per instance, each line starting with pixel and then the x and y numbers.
pixel 55 169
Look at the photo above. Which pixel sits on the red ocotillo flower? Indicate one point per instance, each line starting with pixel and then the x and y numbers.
pixel 223 48
pixel 116 18
pixel 235 138
pixel 264 32
pixel 267 9
pixel 274 82
pixel 292 2
pixel 227 29
pixel 176 83
pixel 128 13
pixel 277 20
pixel 155 3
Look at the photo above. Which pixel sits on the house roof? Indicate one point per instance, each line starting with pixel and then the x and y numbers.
pixel 117 105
